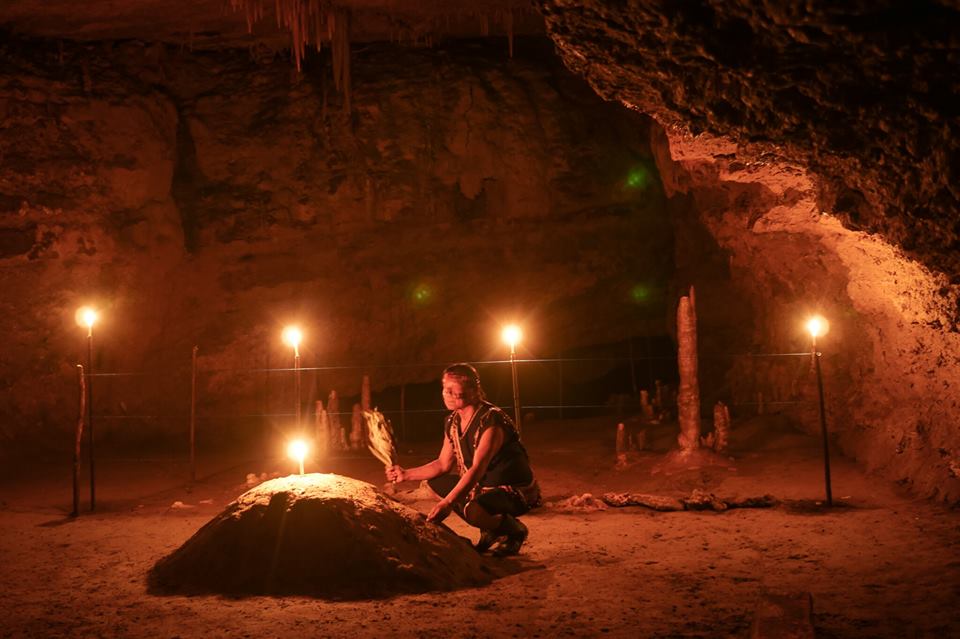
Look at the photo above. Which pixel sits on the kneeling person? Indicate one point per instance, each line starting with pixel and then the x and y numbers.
pixel 495 484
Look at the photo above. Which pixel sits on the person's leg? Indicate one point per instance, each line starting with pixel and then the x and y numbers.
pixel 493 513
pixel 477 515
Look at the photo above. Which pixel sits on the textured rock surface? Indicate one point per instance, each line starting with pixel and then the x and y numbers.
pixel 773 115
pixel 323 535
pixel 205 199
pixel 218 23
pixel 861 93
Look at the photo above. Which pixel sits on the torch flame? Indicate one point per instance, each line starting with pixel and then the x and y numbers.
pixel 297 450
pixel 292 337
pixel 511 335
pixel 817 326
pixel 86 316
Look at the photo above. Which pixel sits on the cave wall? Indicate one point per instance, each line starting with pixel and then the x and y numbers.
pixel 816 147
pixel 210 198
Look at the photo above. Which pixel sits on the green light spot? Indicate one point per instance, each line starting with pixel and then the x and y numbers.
pixel 422 294
pixel 639 293
pixel 638 178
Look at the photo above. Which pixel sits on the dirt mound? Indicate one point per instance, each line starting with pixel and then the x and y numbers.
pixel 323 535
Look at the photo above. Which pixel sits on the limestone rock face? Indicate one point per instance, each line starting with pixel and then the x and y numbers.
pixel 860 94
pixel 209 199
pixel 323 535
pixel 809 150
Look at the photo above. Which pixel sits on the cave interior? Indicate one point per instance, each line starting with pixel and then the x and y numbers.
pixel 402 178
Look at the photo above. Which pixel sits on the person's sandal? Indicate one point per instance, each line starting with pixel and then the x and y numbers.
pixel 516 533
pixel 487 539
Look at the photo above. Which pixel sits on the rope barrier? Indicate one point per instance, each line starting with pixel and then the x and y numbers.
pixel 542 360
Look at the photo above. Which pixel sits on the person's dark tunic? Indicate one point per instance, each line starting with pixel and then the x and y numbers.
pixel 508 485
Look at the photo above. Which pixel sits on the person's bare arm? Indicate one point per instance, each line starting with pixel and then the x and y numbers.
pixel 442 464
pixel 490 442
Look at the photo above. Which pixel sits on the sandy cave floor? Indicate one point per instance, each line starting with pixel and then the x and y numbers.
pixel 880 565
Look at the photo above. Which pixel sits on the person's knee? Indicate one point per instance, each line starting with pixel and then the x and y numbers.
pixel 475 515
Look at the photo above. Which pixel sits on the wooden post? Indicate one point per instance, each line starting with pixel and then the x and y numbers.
pixel 296 373
pixel 823 427
pixel 403 411
pixel 333 412
pixel 688 399
pixel 193 418
pixel 560 365
pixel 81 413
pixel 89 371
pixel 516 388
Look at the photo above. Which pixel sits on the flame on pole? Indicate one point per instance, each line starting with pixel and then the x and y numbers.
pixel 87 316
pixel 292 336
pixel 817 326
pixel 511 335
pixel 297 450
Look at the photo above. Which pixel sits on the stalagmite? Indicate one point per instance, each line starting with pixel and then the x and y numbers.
pixel 365 393
pixel 721 426
pixel 640 440
pixel 646 409
pixel 321 435
pixel 688 397
pixel 621 445
pixel 356 428
pixel 333 411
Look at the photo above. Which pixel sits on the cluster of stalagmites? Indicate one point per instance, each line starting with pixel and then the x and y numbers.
pixel 329 432
pixel 687 398
pixel 323 535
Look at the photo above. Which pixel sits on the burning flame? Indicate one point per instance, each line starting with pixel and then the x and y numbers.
pixel 511 335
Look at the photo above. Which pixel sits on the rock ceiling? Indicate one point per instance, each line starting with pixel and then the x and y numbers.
pixel 220 23
pixel 862 93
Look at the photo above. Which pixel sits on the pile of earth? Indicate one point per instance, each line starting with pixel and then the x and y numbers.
pixel 323 535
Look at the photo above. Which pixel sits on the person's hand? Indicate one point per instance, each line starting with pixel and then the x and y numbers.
pixel 440 511
pixel 395 473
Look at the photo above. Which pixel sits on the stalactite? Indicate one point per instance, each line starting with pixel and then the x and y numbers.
pixel 308 21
